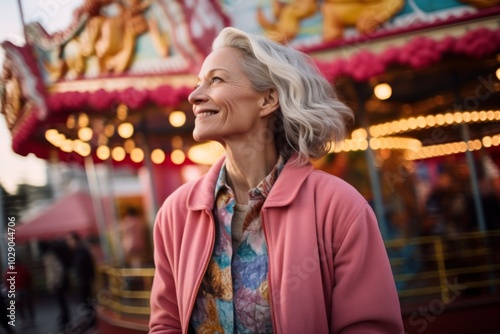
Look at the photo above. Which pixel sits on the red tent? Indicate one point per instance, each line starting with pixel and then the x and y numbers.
pixel 73 212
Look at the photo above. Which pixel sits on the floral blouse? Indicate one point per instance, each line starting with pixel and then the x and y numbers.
pixel 233 296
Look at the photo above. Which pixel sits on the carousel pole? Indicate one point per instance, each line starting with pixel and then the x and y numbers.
pixel 95 194
pixel 377 190
pixel 21 14
pixel 476 193
pixel 154 192
pixel 378 200
pixel 115 223
pixel 474 182
pixel 153 207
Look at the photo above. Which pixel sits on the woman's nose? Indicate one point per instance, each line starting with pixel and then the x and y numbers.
pixel 197 96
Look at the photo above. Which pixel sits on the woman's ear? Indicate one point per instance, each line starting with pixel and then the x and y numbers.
pixel 270 102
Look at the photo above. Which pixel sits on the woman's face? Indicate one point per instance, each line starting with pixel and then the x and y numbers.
pixel 224 103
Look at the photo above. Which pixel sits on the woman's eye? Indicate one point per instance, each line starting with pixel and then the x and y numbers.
pixel 215 79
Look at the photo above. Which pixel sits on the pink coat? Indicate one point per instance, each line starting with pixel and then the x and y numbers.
pixel 328 267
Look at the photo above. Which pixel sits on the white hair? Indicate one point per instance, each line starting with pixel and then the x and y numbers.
pixel 311 118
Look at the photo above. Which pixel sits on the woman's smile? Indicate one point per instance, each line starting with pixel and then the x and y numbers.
pixel 206 114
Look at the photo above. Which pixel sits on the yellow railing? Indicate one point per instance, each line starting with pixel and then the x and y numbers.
pixel 427 266
pixel 125 291
pixel 424 267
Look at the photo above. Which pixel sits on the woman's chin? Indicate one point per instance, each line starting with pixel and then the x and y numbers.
pixel 201 137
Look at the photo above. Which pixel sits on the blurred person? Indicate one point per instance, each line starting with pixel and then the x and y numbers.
pixel 449 204
pixel 264 243
pixel 133 237
pixel 84 269
pixel 56 275
pixel 488 175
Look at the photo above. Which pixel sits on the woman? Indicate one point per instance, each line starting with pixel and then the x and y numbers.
pixel 263 243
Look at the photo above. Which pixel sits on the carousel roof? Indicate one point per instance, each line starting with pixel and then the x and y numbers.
pixel 143 56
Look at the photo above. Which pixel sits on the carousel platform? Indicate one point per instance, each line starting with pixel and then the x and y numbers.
pixel 466 315
pixel 109 322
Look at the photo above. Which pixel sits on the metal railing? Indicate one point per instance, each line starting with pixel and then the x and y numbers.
pixel 429 266
pixel 125 291
pixel 424 267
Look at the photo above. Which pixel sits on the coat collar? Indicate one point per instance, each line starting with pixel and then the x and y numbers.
pixel 284 191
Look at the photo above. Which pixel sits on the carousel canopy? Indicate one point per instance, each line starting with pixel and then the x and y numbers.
pixel 69 94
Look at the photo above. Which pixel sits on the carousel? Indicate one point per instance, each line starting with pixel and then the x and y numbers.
pixel 421 77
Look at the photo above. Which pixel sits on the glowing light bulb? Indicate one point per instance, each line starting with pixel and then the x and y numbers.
pixel 109 130
pixel 383 91
pixel 85 134
pixel 122 111
pixel 157 156
pixel 81 148
pixel 177 118
pixel 177 157
pixel 71 121
pixel 51 135
pixel 67 146
pixel 83 120
pixel 103 152
pixel 118 153
pixel 125 130
pixel 137 155
pixel 129 145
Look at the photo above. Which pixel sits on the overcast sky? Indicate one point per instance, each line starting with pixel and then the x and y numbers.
pixel 54 15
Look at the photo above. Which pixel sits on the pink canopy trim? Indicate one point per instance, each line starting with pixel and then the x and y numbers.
pixel 102 100
pixel 421 52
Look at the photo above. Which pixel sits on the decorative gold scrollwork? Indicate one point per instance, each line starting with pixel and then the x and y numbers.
pixel 11 95
pixel 109 40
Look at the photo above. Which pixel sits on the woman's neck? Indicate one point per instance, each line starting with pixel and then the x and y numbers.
pixel 247 165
